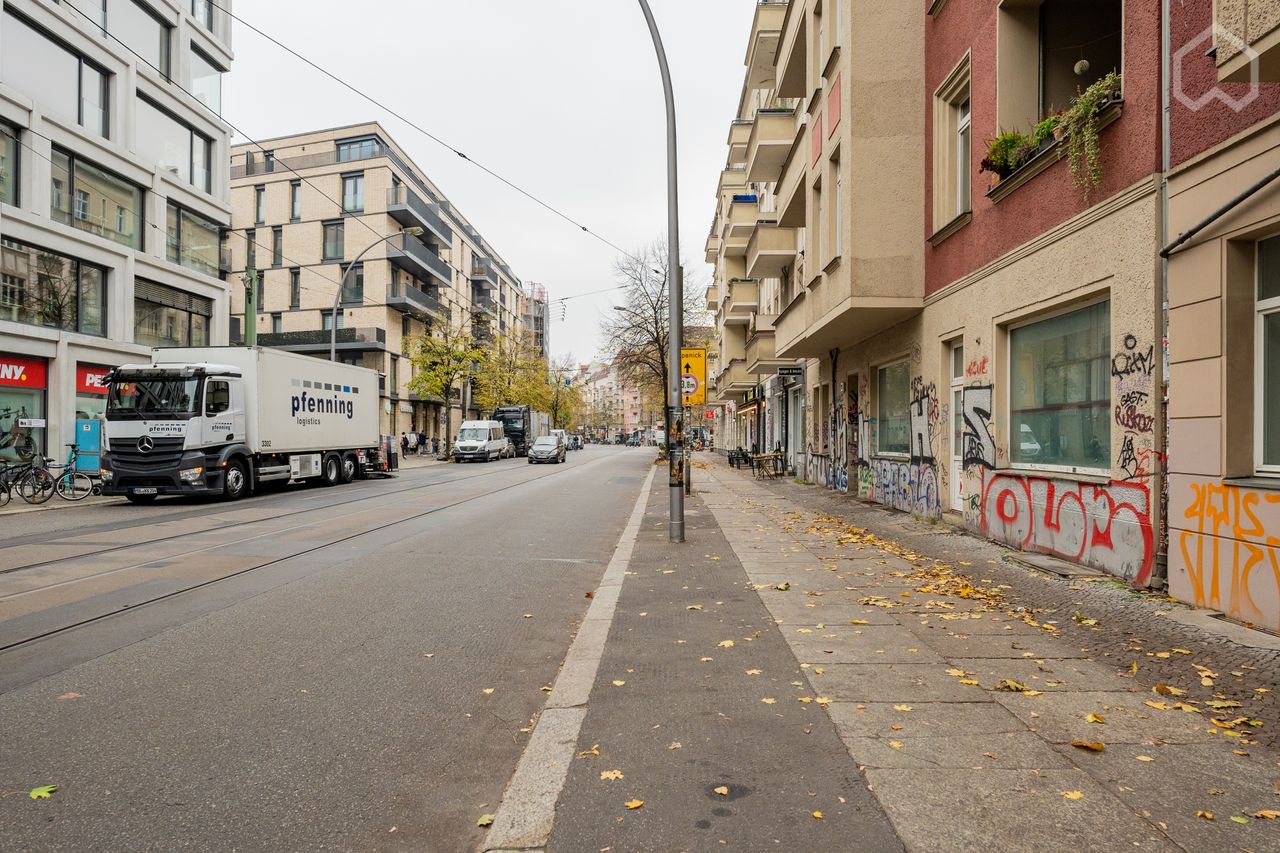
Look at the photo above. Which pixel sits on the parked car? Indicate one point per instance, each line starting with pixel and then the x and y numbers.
pixel 547 448
pixel 483 440
pixel 509 452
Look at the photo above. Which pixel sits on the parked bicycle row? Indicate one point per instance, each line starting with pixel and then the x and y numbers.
pixel 37 480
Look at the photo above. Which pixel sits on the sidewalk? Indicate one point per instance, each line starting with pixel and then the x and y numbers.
pixel 983 711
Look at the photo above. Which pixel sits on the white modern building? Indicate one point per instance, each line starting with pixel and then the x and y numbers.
pixel 114 187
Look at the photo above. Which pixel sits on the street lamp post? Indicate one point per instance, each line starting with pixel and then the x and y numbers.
pixel 675 299
pixel 412 231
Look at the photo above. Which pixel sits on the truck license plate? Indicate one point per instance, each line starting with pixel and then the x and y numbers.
pixel 144 490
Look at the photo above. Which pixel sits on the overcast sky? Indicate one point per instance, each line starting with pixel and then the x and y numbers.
pixel 563 98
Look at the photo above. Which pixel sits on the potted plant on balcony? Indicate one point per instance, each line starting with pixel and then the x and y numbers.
pixel 1048 129
pixel 1080 128
pixel 1005 154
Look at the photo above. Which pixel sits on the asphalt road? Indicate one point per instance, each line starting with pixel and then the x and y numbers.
pixel 304 670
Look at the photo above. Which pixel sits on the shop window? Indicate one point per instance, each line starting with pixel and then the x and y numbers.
pixel 91 390
pixel 893 408
pixel 193 241
pixel 100 202
pixel 952 147
pixel 8 164
pixel 1048 50
pixel 53 75
pixel 22 406
pixel 44 288
pixel 1060 390
pixel 164 316
pixel 1268 369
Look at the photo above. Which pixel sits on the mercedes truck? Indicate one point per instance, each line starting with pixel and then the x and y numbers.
pixel 226 420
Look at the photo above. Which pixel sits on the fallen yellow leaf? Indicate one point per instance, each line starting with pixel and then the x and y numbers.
pixel 754 671
pixel 1073 795
pixel 1095 718
pixel 488 691
pixel 610 774
pixel 817 815
pixel 902 708
pixel 617 683
pixel 956 672
pixel 769 701
pixel 1145 758
pixel 634 804
pixel 895 744
pixel 859 622
pixel 1205 815
pixel 726 644
pixel 1092 746
pixel 1267 814
pixel 723 790
pixel 675 744
pixel 44 792
pixel 968 681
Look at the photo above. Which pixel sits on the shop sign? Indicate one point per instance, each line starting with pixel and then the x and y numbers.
pixel 91 379
pixel 407 408
pixel 797 371
pixel 711 413
pixel 18 372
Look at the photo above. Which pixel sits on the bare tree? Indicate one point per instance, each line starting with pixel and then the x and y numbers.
pixel 638 332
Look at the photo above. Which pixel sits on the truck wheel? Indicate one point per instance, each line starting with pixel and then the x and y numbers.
pixel 234 481
pixel 331 470
pixel 349 467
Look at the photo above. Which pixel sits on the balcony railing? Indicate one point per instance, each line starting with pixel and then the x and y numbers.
pixel 406 296
pixel 409 253
pixel 483 272
pixel 315 340
pixel 408 208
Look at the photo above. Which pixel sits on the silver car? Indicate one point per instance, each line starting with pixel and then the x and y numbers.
pixel 547 448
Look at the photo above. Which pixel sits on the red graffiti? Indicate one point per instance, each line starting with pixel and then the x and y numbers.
pixel 1105 526
pixel 976 367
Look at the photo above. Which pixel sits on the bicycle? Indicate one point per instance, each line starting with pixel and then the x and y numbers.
pixel 73 484
pixel 17 437
pixel 33 483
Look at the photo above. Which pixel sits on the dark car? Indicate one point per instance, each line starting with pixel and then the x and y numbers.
pixel 548 448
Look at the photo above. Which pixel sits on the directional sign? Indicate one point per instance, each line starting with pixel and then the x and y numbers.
pixel 693 376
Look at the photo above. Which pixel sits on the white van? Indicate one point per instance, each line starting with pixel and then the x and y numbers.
pixel 562 437
pixel 483 440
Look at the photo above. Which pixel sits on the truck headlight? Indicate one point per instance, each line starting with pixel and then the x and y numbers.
pixel 191 475
pixel 106 475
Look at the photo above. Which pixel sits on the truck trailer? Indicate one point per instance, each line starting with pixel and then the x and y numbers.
pixel 522 425
pixel 225 420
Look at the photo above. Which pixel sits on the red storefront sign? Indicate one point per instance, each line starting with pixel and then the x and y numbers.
pixel 19 372
pixel 91 379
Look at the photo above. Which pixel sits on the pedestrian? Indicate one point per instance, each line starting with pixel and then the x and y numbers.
pixel 423 447
pixel 404 445
pixel 435 446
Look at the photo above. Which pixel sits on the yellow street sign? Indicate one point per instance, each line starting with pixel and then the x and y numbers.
pixel 693 376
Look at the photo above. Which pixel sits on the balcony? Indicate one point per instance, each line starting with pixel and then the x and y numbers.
pixel 411 300
pixel 791 60
pixel 742 302
pixel 485 304
pixel 317 340
pixel 789 190
pixel 737 223
pixel 762 45
pixel 224 259
pixel 409 254
pixel 772 135
pixel 1247 36
pixel 760 357
pixel 713 298
pixel 484 273
pixel 733 178
pixel 770 248
pixel 739 135
pixel 407 208
pixel 849 308
pixel 734 381
pixel 713 246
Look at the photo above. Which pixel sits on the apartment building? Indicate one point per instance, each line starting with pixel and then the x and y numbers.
pixel 1224 310
pixel 346 209
pixel 113 191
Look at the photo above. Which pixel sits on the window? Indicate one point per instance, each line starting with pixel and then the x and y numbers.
pixel 295 200
pixel 52 75
pixel 167 317
pixel 1267 383
pixel 357 149
pixel 174 146
pixel 395 376
pixel 333 249
pixel 277 323
pixel 295 287
pixel 834 238
pixel 250 249
pixel 893 408
pixel 100 202
pixel 142 30
pixel 1049 51
pixel 260 296
pixel 260 204
pixel 8 164
pixel 353 284
pixel 326 320
pixel 203 12
pixel 277 246
pixel 353 193
pixel 269 160
pixel 952 147
pixel 44 288
pixel 206 82
pixel 193 241
pixel 94 10
pixel 217 396
pixel 1060 390
pixel 818 240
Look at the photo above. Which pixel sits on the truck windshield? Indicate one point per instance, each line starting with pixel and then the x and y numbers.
pixel 152 397
pixel 473 434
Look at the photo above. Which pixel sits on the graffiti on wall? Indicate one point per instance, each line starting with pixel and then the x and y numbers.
pixel 840 445
pixel 976 367
pixel 1229 552
pixel 979 447
pixel 1107 526
pixel 908 486
pixel 1131 412
pixel 1133 360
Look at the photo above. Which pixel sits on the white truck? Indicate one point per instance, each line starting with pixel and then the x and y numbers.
pixel 224 420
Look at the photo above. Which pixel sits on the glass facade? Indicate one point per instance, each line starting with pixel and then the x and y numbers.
pixel 53 76
pixel 206 81
pixel 357 149
pixel 173 146
pixel 192 240
pixel 8 164
pixel 203 12
pixel 167 317
pixel 142 31
pixel 1060 390
pixel 100 202
pixel 23 380
pixel 893 408
pixel 43 288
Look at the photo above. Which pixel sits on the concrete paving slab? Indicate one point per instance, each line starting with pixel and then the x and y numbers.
pixel 986 623
pixel 1072 674
pixel 1005 751
pixel 1003 646
pixel 963 810
pixel 834 613
pixel 893 682
pixel 857 644
pixel 924 720
pixel 1060 718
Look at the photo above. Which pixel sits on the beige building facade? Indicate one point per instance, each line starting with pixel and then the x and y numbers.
pixel 307 206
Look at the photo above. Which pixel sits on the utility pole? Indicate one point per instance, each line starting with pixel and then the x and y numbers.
pixel 250 279
pixel 675 298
